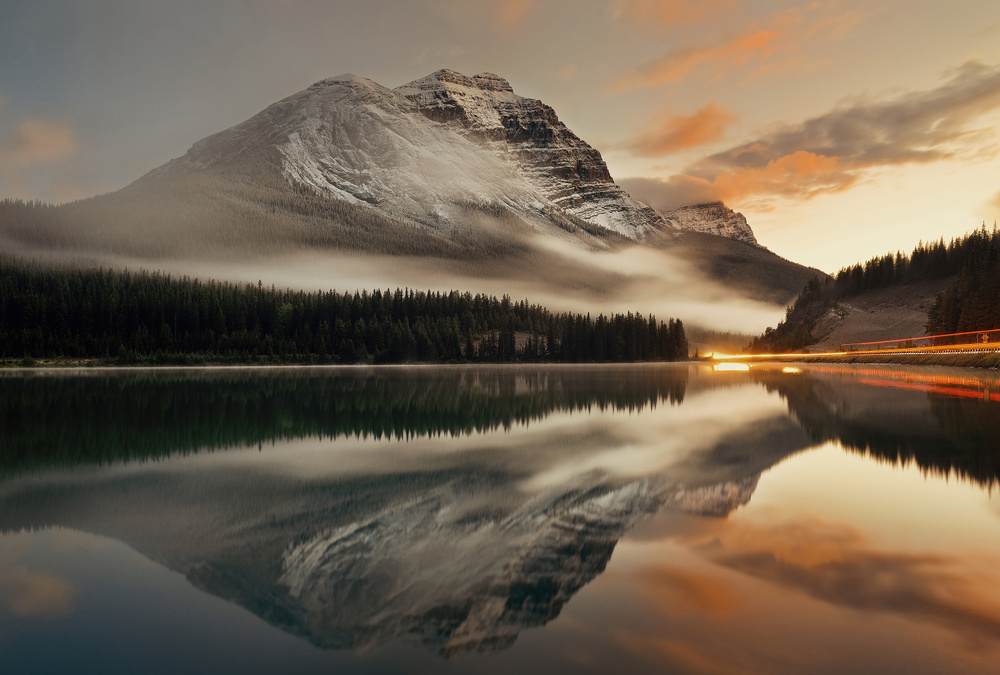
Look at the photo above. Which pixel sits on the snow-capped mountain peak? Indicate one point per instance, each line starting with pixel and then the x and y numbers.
pixel 429 151
pixel 712 218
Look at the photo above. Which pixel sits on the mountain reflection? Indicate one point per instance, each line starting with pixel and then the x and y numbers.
pixel 391 508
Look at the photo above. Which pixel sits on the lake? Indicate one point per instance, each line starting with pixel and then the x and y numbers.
pixel 661 518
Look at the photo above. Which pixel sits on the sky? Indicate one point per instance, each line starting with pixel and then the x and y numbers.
pixel 841 129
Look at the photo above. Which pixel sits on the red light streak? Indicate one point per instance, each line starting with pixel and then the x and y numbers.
pixel 983 388
pixel 887 374
pixel 955 392
pixel 924 337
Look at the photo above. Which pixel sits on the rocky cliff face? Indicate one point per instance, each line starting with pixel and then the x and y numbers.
pixel 712 218
pixel 553 159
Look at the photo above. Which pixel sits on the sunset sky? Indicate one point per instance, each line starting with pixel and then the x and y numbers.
pixel 841 129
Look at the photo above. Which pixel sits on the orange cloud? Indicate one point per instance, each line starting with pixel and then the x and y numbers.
pixel 37 141
pixel 774 46
pixel 680 132
pixel 801 174
pixel 567 72
pixel 832 152
pixel 511 13
pixel 72 190
pixel 673 12
pixel 678 66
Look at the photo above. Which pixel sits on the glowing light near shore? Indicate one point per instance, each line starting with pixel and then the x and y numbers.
pixel 731 367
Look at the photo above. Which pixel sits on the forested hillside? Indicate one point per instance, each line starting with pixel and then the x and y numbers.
pixel 144 317
pixel 971 301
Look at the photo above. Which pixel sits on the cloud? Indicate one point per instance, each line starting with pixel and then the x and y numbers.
pixel 800 175
pixel 511 13
pixel 834 151
pixel 30 143
pixel 990 31
pixel 36 142
pixel 923 126
pixel 673 12
pixel 714 59
pixel 568 72
pixel 72 190
pixel 672 133
pixel 672 193
pixel 772 47
pixel 676 655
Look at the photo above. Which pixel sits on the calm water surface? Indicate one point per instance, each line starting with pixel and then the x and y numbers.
pixel 661 519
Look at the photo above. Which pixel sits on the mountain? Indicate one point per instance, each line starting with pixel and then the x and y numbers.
pixel 712 218
pixel 453 177
pixel 460 165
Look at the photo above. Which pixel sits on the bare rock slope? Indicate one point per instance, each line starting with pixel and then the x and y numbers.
pixel 712 218
pixel 883 314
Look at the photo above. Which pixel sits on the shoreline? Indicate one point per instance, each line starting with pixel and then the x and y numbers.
pixel 988 361
pixel 979 361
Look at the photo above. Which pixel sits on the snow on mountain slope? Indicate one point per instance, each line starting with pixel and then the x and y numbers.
pixel 550 157
pixel 706 217
pixel 430 152
pixel 357 140
pixel 712 218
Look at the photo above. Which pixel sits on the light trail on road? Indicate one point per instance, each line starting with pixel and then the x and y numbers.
pixel 987 341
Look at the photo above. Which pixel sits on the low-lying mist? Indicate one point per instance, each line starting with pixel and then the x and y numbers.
pixel 559 274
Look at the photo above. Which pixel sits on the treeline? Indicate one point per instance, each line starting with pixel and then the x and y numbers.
pixel 795 332
pixel 972 301
pixel 955 437
pixel 973 295
pixel 107 417
pixel 144 317
pixel 926 262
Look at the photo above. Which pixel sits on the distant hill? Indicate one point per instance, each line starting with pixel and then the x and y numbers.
pixel 756 271
pixel 937 289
